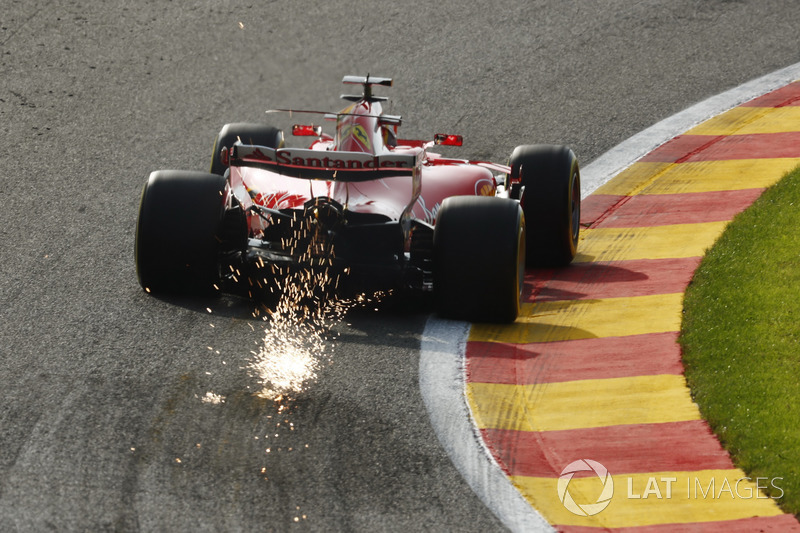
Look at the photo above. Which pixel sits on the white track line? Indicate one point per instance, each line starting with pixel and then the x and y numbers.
pixel 442 379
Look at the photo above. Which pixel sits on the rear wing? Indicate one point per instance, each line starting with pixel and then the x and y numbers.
pixel 367 82
pixel 323 165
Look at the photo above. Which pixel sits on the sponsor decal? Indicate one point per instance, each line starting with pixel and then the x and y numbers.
pixel 484 187
pixel 344 164
pixel 281 200
pixel 305 158
pixel 357 132
pixel 428 215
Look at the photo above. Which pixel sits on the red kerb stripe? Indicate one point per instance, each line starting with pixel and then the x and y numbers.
pixel 762 524
pixel 785 96
pixel 669 447
pixel 610 279
pixel 555 362
pixel 685 208
pixel 691 148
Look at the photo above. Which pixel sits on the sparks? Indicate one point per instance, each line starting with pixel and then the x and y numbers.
pixel 213 398
pixel 296 341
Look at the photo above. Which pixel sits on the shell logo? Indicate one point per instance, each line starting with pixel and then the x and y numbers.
pixel 484 187
pixel 587 509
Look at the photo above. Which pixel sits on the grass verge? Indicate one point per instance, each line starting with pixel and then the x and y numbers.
pixel 741 339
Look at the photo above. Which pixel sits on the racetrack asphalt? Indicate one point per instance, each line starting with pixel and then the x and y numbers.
pixel 103 423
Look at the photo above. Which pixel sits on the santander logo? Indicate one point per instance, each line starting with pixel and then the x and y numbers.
pixel 317 159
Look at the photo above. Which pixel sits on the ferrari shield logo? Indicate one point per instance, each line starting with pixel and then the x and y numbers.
pixel 356 132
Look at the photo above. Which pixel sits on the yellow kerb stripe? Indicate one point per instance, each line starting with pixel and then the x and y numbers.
pixel 657 242
pixel 586 319
pixel 581 404
pixel 749 120
pixel 701 176
pixel 690 499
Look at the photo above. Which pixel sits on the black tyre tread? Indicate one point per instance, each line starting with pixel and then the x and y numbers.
pixel 477 272
pixel 249 133
pixel 177 233
pixel 547 172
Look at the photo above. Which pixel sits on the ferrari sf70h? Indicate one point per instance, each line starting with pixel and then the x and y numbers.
pixel 384 212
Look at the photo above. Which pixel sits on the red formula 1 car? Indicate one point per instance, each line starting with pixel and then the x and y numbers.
pixel 388 211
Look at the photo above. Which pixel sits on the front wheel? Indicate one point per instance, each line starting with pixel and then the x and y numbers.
pixel 479 258
pixel 550 181
pixel 178 234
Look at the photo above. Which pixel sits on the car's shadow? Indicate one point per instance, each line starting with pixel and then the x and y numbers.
pixel 228 306
pixel 390 306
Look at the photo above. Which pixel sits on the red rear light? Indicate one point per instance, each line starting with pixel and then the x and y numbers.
pixel 448 140
pixel 302 130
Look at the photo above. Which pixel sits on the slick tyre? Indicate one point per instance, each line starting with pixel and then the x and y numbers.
pixel 479 254
pixel 549 181
pixel 178 232
pixel 257 134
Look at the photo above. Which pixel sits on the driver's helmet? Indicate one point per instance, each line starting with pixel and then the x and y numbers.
pixel 389 137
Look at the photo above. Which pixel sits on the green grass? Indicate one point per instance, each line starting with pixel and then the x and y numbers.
pixel 741 339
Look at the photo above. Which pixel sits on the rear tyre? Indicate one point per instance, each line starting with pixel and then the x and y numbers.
pixel 248 133
pixel 479 254
pixel 551 201
pixel 178 234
